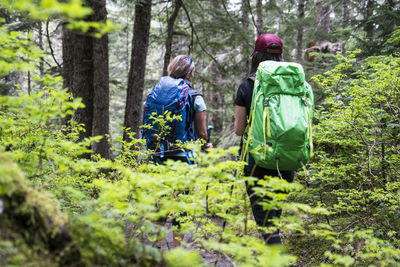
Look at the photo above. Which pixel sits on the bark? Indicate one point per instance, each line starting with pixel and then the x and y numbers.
pixel 245 13
pixel 259 17
pixel 140 43
pixel 216 99
pixel 245 8
pixel 345 13
pixel 78 77
pixel 68 64
pixel 300 31
pixel 101 90
pixel 82 83
pixel 369 26
pixel 86 75
pixel 170 33
pixel 345 19
pixel 67 56
pixel 323 17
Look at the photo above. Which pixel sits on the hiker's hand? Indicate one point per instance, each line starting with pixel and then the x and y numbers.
pixel 207 145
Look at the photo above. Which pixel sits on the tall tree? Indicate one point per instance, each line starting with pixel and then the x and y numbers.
pixel 82 81
pixel 245 10
pixel 101 89
pixel 300 30
pixel 170 33
pixel 216 98
pixel 140 43
pixel 345 19
pixel 85 73
pixel 324 19
pixel 259 17
pixel 369 25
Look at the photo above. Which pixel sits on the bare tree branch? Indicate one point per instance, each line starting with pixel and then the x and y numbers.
pixel 198 39
pixel 50 45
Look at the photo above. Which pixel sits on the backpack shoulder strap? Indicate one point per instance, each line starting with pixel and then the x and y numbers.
pixel 252 78
pixel 194 93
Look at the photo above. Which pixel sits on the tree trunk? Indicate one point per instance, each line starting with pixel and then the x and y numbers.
pixel 300 31
pixel 68 64
pixel 216 98
pixel 170 33
pixel 245 8
pixel 140 43
pixel 101 89
pixel 345 13
pixel 86 75
pixel 345 19
pixel 369 26
pixel 259 17
pixel 324 18
pixel 82 83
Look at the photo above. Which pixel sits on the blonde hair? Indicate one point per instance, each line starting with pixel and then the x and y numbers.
pixel 181 66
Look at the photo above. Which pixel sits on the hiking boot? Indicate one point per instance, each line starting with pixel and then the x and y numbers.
pixel 272 239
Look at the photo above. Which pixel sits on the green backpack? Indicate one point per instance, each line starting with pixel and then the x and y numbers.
pixel 279 134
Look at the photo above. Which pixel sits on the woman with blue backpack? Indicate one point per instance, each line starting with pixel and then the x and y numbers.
pixel 281 98
pixel 174 93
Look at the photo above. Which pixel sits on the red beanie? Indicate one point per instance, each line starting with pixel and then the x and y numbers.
pixel 265 40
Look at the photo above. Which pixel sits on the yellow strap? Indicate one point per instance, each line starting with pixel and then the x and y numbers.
pixel 266 118
pixel 309 132
pixel 250 127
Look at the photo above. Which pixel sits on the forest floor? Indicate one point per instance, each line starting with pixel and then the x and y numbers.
pixel 188 241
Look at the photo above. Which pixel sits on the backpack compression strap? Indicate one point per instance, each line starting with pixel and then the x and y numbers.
pixel 179 106
pixel 249 128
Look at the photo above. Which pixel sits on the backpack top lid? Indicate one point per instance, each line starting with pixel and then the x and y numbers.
pixel 168 91
pixel 281 78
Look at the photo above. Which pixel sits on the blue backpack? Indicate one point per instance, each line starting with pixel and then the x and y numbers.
pixel 176 96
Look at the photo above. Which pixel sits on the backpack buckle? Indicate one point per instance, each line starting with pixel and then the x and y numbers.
pixel 266 102
pixel 305 102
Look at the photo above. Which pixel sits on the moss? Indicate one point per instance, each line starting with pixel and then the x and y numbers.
pixel 32 227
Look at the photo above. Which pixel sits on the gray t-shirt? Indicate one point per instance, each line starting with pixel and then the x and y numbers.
pixel 199 104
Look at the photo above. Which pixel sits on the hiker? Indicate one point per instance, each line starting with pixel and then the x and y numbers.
pixel 268 49
pixel 175 93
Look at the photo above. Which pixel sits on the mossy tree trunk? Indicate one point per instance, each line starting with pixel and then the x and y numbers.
pixel 86 75
pixel 140 43
pixel 101 89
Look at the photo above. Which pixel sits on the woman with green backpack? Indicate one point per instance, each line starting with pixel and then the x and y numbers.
pixel 281 98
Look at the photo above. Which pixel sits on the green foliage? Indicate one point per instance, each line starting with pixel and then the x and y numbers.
pixel 114 207
pixel 111 212
pixel 395 36
pixel 17 52
pixel 355 169
pixel 44 9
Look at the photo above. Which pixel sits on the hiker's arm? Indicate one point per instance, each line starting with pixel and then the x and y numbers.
pixel 201 125
pixel 240 120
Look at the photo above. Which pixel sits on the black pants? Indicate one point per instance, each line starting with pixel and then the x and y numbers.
pixel 261 216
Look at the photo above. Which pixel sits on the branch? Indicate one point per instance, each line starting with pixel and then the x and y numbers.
pixel 251 13
pixel 227 12
pixel 197 37
pixel 170 33
pixel 50 45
